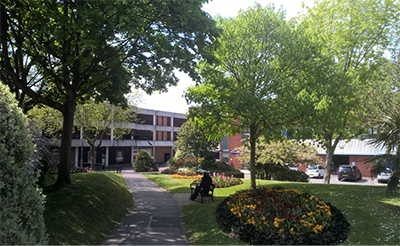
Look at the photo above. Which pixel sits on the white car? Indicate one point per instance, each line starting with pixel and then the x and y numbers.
pixel 294 168
pixel 385 175
pixel 315 171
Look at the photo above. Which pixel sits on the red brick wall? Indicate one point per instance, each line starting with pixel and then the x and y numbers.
pixel 360 163
pixel 160 151
pixel 235 141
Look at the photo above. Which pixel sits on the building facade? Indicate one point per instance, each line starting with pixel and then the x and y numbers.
pixel 154 131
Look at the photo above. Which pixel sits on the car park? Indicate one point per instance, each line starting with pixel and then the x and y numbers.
pixel 315 171
pixel 385 175
pixel 348 172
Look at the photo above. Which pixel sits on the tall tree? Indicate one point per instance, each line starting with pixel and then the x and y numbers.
pixel 261 61
pixel 193 141
pixel 92 49
pixel 96 120
pixel 356 34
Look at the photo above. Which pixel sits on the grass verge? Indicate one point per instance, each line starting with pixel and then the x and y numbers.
pixel 88 210
pixel 374 219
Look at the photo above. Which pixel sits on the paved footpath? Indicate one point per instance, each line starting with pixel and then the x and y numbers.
pixel 156 217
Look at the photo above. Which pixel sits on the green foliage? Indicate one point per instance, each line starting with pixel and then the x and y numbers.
pixel 218 167
pixel 179 155
pixel 282 152
pixel 70 52
pixel 387 136
pixel 144 162
pixel 335 233
pixel 354 36
pixel 193 140
pixel 279 173
pixel 264 63
pixel 98 119
pixel 22 205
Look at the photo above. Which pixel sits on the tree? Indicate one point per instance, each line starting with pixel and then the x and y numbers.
pixel 193 141
pixel 262 64
pixel 144 162
pixel 356 34
pixel 86 50
pixel 22 205
pixel 98 119
pixel 281 152
pixel 387 134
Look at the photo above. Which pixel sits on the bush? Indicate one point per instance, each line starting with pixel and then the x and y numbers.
pixel 218 167
pixel 279 173
pixel 22 205
pixel 281 217
pixel 144 162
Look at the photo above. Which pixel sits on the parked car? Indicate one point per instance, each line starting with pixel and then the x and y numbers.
pixel 294 168
pixel 348 172
pixel 385 175
pixel 315 171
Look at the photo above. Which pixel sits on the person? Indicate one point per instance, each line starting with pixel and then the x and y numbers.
pixel 204 186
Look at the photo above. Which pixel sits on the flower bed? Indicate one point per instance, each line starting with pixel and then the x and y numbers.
pixel 281 216
pixel 186 175
pixel 222 180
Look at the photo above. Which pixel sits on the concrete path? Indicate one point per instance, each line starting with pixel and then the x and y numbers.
pixel 156 218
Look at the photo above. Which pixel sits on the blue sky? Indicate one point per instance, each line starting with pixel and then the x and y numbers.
pixel 173 100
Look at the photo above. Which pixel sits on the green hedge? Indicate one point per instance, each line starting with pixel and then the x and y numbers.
pixel 279 173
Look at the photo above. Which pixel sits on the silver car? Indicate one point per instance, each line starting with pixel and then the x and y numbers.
pixel 384 176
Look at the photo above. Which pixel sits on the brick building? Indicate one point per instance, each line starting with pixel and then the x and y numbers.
pixel 355 152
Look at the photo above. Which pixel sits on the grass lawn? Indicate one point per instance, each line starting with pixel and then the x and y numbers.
pixel 374 218
pixel 87 211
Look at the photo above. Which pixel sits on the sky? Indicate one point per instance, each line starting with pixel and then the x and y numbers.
pixel 173 100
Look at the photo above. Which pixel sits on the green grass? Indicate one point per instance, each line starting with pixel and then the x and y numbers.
pixel 88 210
pixel 374 218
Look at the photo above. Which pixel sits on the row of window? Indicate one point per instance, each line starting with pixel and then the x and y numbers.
pixel 138 135
pixel 146 119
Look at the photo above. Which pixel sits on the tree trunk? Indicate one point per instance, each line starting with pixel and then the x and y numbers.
pixel 328 165
pixel 68 123
pixel 253 139
pixel 93 157
pixel 330 150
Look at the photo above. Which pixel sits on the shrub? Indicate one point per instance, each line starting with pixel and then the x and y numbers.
pixel 218 167
pixel 279 173
pixel 144 161
pixel 21 202
pixel 222 180
pixel 282 217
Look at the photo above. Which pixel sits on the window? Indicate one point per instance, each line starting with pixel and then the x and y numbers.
pixel 175 138
pixel 143 135
pixel 225 144
pixel 179 122
pixel 144 119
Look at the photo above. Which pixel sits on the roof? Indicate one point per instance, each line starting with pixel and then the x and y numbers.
pixel 151 143
pixel 353 147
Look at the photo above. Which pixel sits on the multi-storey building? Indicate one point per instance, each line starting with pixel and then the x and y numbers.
pixel 154 131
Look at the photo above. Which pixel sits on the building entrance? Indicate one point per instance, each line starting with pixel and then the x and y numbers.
pixel 339 160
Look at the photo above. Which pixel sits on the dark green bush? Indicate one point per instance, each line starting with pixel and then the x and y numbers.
pixel 218 167
pixel 21 201
pixel 279 173
pixel 248 233
pixel 144 162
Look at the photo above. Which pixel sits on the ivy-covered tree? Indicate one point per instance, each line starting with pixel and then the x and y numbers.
pixel 193 141
pixel 61 53
pixel 21 202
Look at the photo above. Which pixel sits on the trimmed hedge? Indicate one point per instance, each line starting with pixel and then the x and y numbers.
pixel 229 223
pixel 279 173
